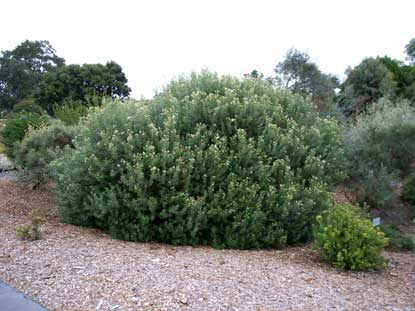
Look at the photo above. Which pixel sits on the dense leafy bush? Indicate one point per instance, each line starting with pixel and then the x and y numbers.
pixel 40 147
pixel 70 113
pixel 408 191
pixel 16 127
pixel 80 83
pixel 397 239
pixel 378 147
pixel 366 83
pixel 345 237
pixel 27 106
pixel 210 160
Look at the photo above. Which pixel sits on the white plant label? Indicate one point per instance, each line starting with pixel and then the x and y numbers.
pixel 376 221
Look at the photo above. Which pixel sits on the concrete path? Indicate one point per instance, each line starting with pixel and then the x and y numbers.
pixel 11 300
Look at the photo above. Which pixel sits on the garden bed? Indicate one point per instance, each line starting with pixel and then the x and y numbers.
pixel 74 268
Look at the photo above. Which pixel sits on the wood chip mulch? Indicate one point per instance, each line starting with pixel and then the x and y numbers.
pixel 75 268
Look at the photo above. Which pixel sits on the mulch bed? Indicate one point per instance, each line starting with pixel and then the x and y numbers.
pixel 74 268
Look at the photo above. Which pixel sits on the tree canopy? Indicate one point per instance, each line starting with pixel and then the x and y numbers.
pixel 21 70
pixel 81 83
pixel 410 51
pixel 366 83
pixel 299 74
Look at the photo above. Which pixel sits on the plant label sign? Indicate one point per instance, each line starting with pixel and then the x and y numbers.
pixel 376 221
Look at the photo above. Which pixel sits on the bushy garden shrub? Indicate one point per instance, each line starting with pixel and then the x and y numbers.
pixel 408 191
pixel 345 237
pixel 70 113
pixel 27 106
pixel 16 127
pixel 378 148
pixel 397 239
pixel 40 147
pixel 366 83
pixel 210 160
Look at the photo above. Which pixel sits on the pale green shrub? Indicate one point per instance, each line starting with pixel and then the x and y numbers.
pixel 210 160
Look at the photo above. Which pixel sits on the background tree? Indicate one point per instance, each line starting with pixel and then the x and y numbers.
pixel 410 51
pixel 403 75
pixel 254 74
pixel 366 83
pixel 299 74
pixel 81 83
pixel 21 70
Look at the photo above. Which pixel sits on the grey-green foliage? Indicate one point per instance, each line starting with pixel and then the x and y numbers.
pixel 40 147
pixel 210 160
pixel 302 76
pixel 408 190
pixel 397 239
pixel 378 147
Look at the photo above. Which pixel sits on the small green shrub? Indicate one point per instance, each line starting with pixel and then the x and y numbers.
pixel 31 231
pixel 40 147
pixel 210 160
pixel 408 191
pixel 71 112
pixel 345 237
pixel 16 128
pixel 397 239
pixel 379 147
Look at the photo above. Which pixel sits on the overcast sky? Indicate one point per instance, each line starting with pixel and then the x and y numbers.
pixel 157 40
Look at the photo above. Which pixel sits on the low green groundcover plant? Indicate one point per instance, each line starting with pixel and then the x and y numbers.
pixel 210 160
pixel 345 236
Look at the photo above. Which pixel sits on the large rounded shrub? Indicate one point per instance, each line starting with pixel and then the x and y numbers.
pixel 209 160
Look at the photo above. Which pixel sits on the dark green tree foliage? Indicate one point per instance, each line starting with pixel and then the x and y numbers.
pixel 299 74
pixel 16 128
pixel 209 160
pixel 366 83
pixel 410 51
pixel 403 75
pixel 254 74
pixel 408 190
pixel 21 70
pixel 82 83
